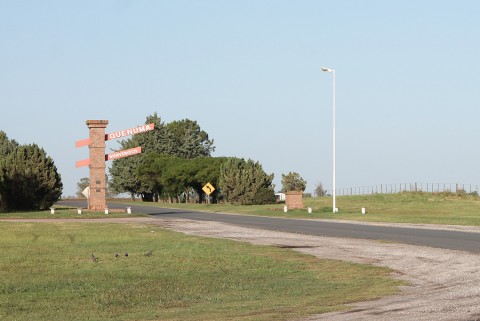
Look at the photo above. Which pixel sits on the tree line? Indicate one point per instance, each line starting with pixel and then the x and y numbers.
pixel 177 163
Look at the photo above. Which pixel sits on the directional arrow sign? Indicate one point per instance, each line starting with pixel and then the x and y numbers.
pixel 119 134
pixel 208 189
pixel 82 142
pixel 130 131
pixel 124 153
pixel 83 162
pixel 112 156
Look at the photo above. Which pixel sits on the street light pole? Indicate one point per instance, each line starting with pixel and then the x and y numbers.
pixel 324 69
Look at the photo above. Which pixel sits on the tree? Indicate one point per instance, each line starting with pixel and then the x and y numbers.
pixel 319 191
pixel 293 182
pixel 156 140
pixel 29 179
pixel 189 139
pixel 172 177
pixel 151 172
pixel 123 170
pixel 245 183
pixel 124 178
pixel 6 145
pixel 207 171
pixel 183 139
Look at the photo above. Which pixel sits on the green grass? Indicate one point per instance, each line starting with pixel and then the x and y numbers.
pixel 47 273
pixel 421 208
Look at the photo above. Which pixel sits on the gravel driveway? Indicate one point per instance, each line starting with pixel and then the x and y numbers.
pixel 445 284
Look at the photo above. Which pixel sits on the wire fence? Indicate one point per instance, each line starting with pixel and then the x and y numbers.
pixel 410 187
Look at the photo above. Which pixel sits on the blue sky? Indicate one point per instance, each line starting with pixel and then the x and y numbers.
pixel 407 89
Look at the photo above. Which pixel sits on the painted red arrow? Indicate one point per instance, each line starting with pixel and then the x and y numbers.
pixel 124 153
pixel 82 142
pixel 83 162
pixel 113 156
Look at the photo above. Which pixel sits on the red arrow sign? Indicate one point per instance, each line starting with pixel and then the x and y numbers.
pixel 83 162
pixel 130 131
pixel 112 156
pixel 124 153
pixel 119 134
pixel 83 142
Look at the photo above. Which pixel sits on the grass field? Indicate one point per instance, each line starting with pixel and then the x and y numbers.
pixel 47 272
pixel 408 207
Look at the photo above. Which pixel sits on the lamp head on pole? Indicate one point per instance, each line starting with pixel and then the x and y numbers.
pixel 325 69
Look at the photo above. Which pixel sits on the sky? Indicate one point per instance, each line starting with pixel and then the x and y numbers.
pixel 249 72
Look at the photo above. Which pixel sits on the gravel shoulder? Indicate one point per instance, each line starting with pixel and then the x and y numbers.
pixel 444 284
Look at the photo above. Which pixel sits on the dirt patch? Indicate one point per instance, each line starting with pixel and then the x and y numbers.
pixel 445 284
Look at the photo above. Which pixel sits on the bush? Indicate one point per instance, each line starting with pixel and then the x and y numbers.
pixel 293 182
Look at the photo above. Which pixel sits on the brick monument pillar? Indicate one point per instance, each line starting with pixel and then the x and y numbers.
pixel 97 164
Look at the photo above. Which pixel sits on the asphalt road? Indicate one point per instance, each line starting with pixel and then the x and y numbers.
pixel 447 239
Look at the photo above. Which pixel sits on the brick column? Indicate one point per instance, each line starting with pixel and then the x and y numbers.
pixel 294 199
pixel 97 164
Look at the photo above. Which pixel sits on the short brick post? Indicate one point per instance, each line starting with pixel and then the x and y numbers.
pixel 294 199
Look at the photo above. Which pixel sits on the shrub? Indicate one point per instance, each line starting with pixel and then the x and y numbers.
pixel 293 182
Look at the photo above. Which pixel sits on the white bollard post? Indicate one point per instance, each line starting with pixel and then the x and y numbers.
pixel 106 210
pixel 309 209
pixel 52 210
pixel 285 209
pixel 129 210
pixel 364 210
pixel 79 210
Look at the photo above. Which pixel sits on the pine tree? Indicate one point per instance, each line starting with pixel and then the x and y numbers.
pixel 29 179
pixel 245 182
pixel 6 145
pixel 189 140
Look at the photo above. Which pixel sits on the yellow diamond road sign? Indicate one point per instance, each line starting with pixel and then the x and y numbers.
pixel 208 188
